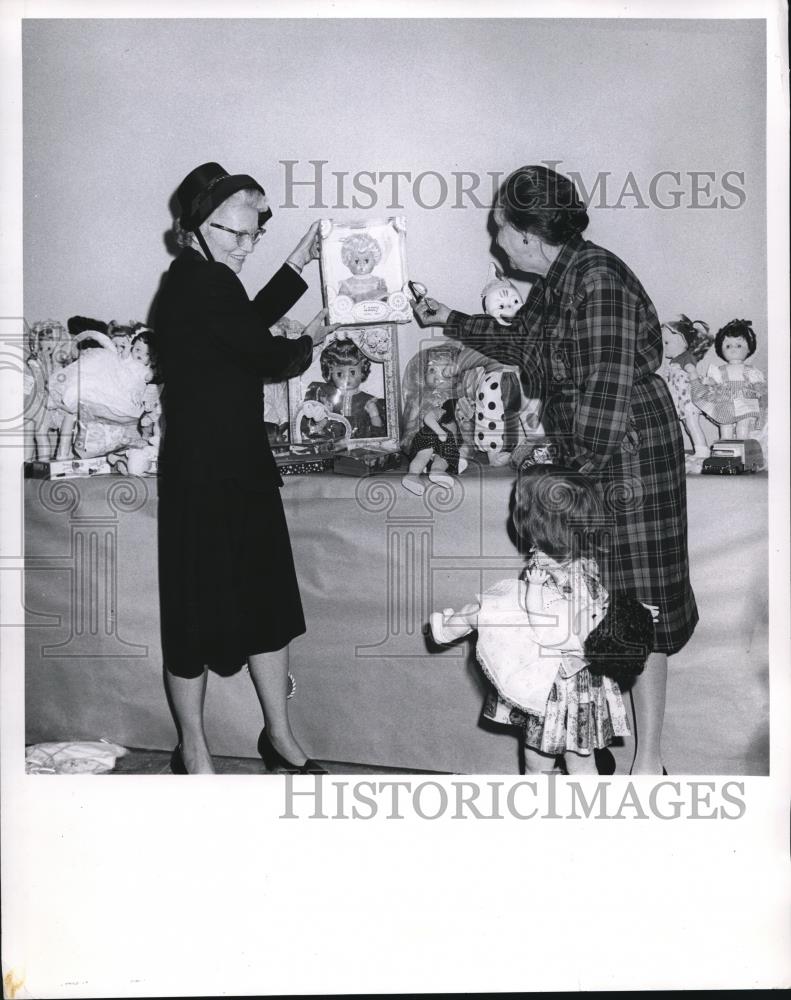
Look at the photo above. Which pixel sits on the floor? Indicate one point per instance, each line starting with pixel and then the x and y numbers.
pixel 158 762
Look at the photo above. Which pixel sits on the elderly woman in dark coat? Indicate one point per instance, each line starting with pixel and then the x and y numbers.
pixel 228 589
pixel 588 341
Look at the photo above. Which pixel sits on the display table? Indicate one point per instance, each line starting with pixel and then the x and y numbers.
pixel 373 561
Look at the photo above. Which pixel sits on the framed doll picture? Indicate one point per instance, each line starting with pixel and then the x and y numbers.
pixel 349 395
pixel 363 271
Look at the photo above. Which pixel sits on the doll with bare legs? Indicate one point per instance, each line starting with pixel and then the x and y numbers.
pixel 684 342
pixel 431 404
pixel 555 646
pixel 734 392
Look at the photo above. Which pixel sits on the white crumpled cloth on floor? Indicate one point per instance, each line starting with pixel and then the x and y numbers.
pixel 72 758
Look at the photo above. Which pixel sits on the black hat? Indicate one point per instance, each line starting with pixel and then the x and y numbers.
pixel 206 188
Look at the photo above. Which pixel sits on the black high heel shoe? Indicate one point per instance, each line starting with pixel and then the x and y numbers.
pixel 275 761
pixel 177 765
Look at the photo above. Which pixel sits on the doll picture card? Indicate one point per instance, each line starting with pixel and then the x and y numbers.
pixel 363 271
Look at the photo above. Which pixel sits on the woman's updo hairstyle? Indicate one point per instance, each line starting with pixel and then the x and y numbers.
pixel 538 200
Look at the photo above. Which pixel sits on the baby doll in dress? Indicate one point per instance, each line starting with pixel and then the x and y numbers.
pixel 344 368
pixel 734 393
pixel 554 644
pixel 361 253
pixel 685 341
pixel 430 406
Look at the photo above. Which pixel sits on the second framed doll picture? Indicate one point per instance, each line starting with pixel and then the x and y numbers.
pixel 349 394
pixel 363 271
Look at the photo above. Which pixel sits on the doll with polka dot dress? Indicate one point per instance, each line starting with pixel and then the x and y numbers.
pixel 555 646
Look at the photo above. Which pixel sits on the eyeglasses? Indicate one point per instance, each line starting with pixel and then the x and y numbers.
pixel 240 234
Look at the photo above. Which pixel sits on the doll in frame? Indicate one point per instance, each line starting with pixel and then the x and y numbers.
pixel 349 394
pixel 363 269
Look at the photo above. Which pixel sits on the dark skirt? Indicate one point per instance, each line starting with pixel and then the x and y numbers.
pixel 227 584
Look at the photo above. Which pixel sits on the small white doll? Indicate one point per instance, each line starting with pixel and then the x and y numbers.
pixel 500 298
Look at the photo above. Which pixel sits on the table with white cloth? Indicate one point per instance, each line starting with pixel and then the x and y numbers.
pixel 373 561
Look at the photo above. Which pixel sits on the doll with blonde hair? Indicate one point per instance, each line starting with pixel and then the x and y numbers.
pixel 361 253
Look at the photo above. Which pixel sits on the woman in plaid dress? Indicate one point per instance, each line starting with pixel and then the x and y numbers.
pixel 588 342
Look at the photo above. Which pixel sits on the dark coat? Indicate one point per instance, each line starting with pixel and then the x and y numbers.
pixel 588 342
pixel 227 583
pixel 215 348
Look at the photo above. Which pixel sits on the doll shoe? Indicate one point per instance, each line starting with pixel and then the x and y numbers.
pixel 414 484
pixel 437 626
pixel 441 479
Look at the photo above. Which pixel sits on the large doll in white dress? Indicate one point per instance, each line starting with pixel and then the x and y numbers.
pixel 554 644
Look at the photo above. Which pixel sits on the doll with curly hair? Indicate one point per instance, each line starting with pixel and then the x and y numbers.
pixel 684 342
pixel 734 393
pixel 361 253
pixel 344 368
pixel 555 646
pixel 432 439
pixel 49 349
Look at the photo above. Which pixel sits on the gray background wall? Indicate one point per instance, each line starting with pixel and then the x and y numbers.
pixel 116 112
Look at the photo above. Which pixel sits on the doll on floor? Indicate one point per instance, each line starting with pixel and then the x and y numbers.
pixel 555 646
pixel 734 393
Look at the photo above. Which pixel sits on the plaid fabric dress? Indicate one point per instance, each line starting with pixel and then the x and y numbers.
pixel 588 343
